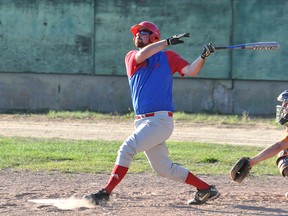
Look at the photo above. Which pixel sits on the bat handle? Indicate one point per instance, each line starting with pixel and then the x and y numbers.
pixel 220 48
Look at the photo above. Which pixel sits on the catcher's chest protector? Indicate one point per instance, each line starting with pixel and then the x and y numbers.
pixel 282 162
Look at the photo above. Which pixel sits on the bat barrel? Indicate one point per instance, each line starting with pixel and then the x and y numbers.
pixel 253 46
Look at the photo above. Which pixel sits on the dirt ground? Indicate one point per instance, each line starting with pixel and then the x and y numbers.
pixel 55 193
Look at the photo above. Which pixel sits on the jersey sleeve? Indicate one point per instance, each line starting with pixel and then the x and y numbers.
pixel 131 64
pixel 176 62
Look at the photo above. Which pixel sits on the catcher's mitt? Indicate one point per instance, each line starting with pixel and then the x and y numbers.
pixel 240 170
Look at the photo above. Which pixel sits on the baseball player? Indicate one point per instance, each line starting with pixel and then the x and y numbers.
pixel 281 146
pixel 150 72
pixel 239 172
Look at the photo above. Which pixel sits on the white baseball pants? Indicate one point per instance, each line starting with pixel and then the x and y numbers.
pixel 150 136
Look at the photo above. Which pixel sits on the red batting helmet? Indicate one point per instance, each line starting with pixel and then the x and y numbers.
pixel 155 36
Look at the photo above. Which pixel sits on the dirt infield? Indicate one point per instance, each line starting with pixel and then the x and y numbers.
pixel 138 194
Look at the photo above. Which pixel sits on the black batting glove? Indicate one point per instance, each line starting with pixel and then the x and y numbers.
pixel 176 39
pixel 207 50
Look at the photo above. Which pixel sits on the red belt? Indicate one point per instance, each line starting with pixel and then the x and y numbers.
pixel 170 114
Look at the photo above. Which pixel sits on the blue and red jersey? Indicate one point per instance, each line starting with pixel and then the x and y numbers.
pixel 151 81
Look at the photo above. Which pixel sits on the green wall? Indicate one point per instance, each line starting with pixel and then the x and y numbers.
pixel 46 36
pixel 93 36
pixel 260 20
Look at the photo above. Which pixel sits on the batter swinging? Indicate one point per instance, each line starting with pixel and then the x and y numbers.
pixel 150 73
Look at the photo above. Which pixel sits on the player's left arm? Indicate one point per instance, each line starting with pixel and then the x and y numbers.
pixel 194 68
pixel 269 152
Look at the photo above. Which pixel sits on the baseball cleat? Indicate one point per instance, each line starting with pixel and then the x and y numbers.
pixel 203 196
pixel 98 197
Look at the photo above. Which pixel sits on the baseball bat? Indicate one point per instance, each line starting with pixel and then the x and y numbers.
pixel 252 46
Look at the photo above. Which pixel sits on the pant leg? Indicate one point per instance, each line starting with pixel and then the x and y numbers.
pixel 163 166
pixel 149 133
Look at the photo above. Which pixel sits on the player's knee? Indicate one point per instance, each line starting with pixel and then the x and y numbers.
pixel 161 173
pixel 160 169
pixel 171 171
pixel 125 155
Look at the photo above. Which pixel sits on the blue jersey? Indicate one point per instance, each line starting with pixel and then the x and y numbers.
pixel 151 84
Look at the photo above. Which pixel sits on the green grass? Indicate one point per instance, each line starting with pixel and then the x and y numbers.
pixel 88 115
pixel 99 156
pixel 244 118
pixel 221 119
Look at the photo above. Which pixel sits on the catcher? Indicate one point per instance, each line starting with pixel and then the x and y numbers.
pixel 241 169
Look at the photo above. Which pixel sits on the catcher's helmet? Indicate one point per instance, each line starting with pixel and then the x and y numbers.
pixel 155 36
pixel 282 110
pixel 283 96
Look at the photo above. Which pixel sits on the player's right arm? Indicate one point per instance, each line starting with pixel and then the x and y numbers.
pixel 149 50
pixel 155 47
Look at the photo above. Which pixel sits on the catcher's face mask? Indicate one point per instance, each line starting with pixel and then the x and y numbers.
pixel 282 114
pixel 282 111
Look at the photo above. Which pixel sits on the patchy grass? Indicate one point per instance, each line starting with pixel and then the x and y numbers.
pixel 99 156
